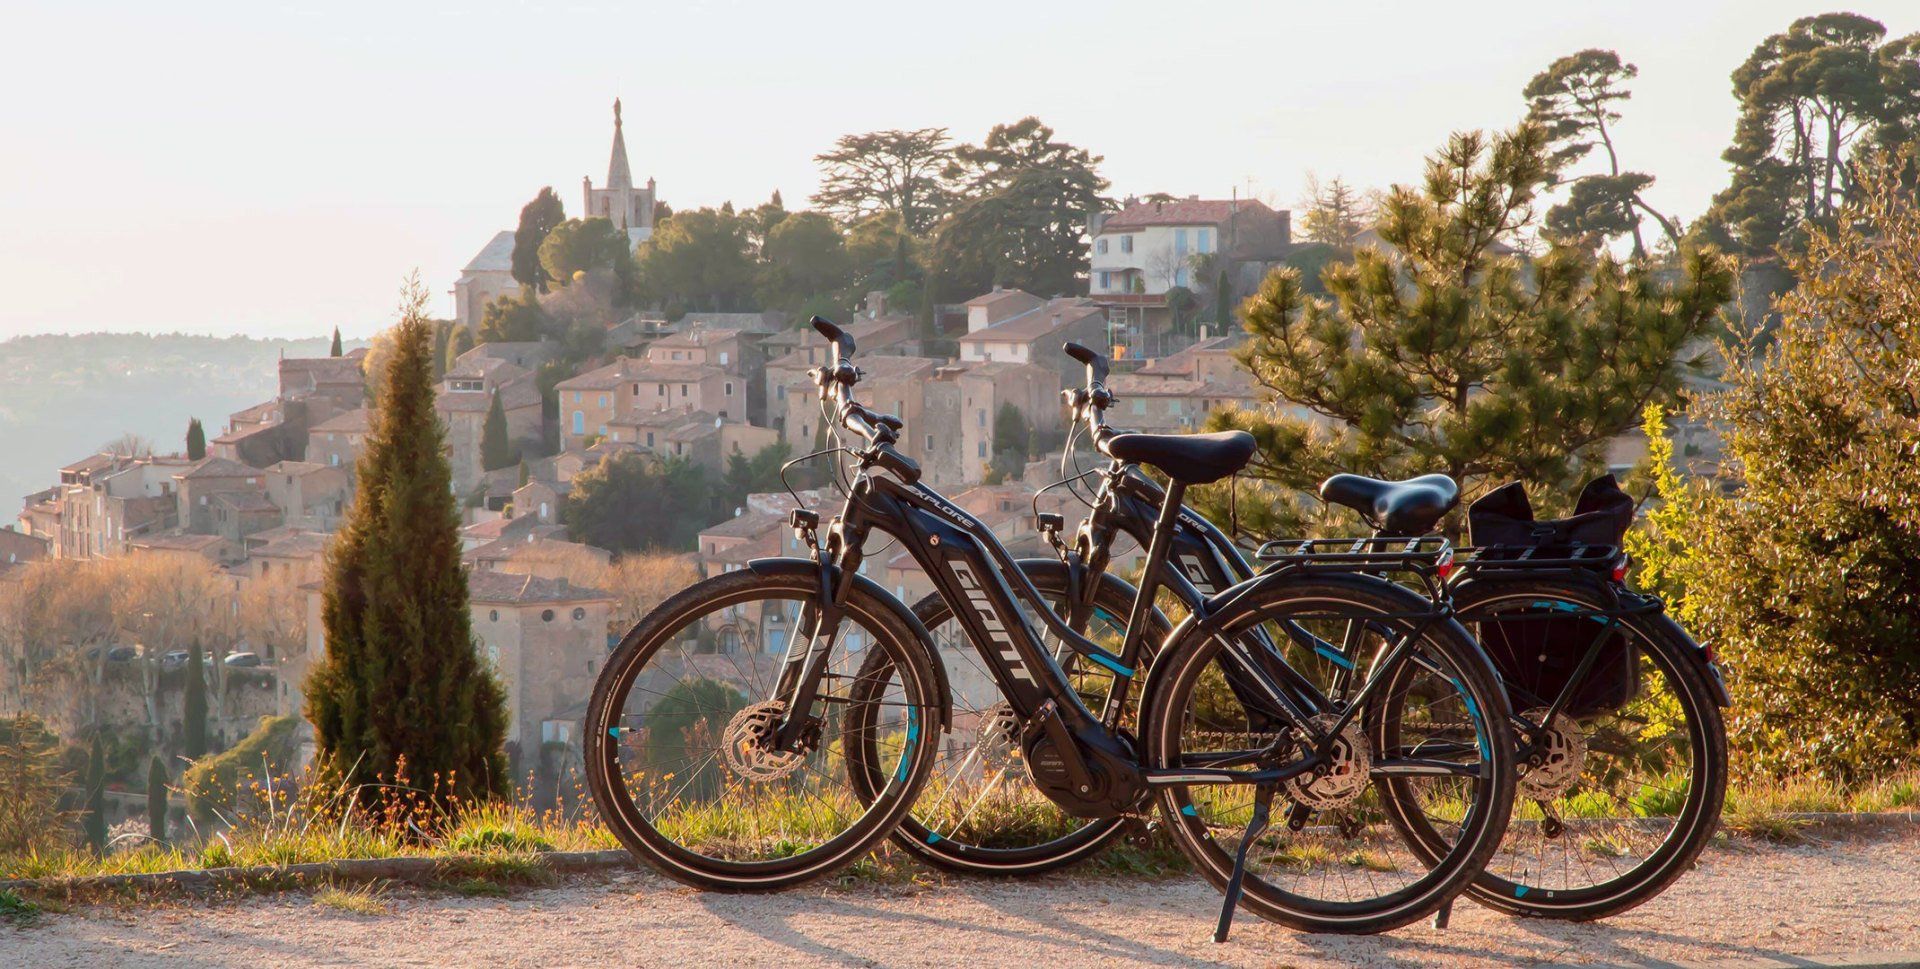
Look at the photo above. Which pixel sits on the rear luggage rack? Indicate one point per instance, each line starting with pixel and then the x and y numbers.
pixel 1429 551
pixel 1430 557
pixel 1606 560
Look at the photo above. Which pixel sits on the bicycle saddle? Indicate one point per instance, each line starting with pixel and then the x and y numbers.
pixel 1186 458
pixel 1403 508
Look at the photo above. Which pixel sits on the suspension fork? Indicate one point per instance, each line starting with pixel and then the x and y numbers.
pixel 838 562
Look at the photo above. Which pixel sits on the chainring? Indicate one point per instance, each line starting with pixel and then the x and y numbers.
pixel 999 734
pixel 1346 776
pixel 1562 755
pixel 746 749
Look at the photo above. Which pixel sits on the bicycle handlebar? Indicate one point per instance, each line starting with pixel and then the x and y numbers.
pixel 881 431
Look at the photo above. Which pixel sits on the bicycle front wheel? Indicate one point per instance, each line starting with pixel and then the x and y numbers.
pixel 680 758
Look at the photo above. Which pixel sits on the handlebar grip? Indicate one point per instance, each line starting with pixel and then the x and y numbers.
pixel 1097 366
pixel 842 343
pixel 899 465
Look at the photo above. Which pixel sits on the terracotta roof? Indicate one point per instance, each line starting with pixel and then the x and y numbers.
pixel 749 525
pixel 298 468
pixel 1182 362
pixel 234 437
pixel 176 543
pixel 92 462
pixel 988 299
pixel 512 588
pixel 1183 212
pixel 219 468
pixel 245 501
pixel 699 336
pixel 299 545
pixel 256 413
pixel 520 393
pixel 599 378
pixel 356 421
pixel 1036 323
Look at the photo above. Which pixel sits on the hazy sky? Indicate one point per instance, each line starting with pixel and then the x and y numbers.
pixel 227 168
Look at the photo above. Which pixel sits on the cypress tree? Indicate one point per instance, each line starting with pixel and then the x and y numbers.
pixel 95 822
pixel 1223 302
pixel 194 717
pixel 336 343
pixel 157 800
pixel 401 690
pixel 196 440
pixel 496 451
pixel 458 342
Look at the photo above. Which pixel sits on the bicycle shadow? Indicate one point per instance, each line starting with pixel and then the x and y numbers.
pixel 772 920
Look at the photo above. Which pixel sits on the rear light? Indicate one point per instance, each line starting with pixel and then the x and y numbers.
pixel 1620 569
pixel 1444 567
pixel 1706 651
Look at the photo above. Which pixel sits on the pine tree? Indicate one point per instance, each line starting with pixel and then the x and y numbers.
pixel 157 800
pixel 196 440
pixel 95 822
pixel 496 451
pixel 194 717
pixel 1451 353
pixel 336 343
pixel 402 691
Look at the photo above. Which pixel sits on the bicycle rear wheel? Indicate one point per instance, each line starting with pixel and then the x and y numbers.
pixel 678 758
pixel 1438 738
pixel 1623 800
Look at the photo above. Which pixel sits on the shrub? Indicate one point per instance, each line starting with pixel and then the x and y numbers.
pixel 1808 576
pixel 31 776
pixel 223 783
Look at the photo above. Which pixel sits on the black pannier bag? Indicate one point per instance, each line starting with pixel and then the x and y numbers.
pixel 1539 655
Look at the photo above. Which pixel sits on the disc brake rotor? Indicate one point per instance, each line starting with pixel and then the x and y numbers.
pixel 1346 774
pixel 747 746
pixel 1561 755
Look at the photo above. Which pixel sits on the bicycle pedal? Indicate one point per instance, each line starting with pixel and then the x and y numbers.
pixel 1236 883
pixel 1443 915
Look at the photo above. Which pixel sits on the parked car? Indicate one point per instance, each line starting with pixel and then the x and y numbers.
pixel 117 654
pixel 177 657
pixel 242 658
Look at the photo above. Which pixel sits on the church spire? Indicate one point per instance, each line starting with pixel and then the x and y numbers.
pixel 619 176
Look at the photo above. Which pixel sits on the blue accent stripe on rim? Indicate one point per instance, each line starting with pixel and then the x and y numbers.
pixel 1337 659
pixel 913 735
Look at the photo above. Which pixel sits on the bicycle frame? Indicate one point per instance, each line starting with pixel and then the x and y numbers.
pixel 973 571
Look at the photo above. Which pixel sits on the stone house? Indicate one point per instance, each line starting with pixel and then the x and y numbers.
pixel 540 500
pixel 294 555
pixel 310 496
pixel 891 385
pixel 462 401
pixel 1035 335
pixel 18 548
pixel 791 353
pixel 329 385
pixel 238 514
pixel 196 486
pixel 982 389
pixel 701 437
pixel 545 639
pixel 338 440
pixel 106 500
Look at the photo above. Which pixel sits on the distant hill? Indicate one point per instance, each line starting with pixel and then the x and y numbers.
pixel 65 396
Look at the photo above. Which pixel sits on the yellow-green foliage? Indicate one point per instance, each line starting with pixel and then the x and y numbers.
pixel 1807 577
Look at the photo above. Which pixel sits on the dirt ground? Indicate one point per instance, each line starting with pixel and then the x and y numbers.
pixel 1746 904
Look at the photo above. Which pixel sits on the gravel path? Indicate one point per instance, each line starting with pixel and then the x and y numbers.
pixel 1746 904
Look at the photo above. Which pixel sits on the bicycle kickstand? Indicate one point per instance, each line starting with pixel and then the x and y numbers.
pixel 1262 806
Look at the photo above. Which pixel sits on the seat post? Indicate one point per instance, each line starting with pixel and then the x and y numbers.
pixel 1157 548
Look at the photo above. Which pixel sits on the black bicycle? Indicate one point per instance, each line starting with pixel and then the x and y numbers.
pixel 1620 785
pixel 769 725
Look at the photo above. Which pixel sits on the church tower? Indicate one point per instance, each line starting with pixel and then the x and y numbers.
pixel 629 208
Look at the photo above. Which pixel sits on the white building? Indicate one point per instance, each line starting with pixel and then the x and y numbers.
pixel 1148 248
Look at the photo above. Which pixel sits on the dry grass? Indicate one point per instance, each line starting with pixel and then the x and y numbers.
pixel 367 898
